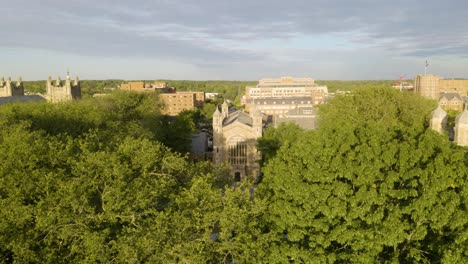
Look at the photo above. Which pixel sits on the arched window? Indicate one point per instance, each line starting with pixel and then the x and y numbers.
pixel 237 150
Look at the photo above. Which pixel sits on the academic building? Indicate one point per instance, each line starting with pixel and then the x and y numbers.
pixel 235 137
pixel 286 87
pixel 59 91
pixel 174 102
pixel 432 86
pixel 439 124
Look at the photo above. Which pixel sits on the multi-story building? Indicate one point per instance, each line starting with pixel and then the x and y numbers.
pixel 286 87
pixel 235 141
pixel 8 88
pixel 451 101
pixel 278 106
pixel 174 103
pixel 61 92
pixel 160 87
pixel 431 86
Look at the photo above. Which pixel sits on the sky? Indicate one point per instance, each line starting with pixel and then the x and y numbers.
pixel 233 39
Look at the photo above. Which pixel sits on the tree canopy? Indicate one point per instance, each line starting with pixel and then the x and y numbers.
pixel 372 184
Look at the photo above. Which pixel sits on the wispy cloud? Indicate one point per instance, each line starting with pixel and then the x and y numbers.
pixel 214 32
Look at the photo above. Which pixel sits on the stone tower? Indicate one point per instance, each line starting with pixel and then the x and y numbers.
pixel 8 88
pixel 217 136
pixel 61 92
pixel 461 128
pixel 427 86
pixel 439 120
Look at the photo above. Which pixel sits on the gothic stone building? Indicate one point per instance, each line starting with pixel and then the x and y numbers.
pixel 235 141
pixel 61 92
pixel 8 88
pixel 439 123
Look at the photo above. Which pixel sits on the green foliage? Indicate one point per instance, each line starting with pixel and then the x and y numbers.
pixel 373 184
pixel 335 85
pixel 274 138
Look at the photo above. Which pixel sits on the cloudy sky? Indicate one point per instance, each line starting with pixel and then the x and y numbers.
pixel 233 39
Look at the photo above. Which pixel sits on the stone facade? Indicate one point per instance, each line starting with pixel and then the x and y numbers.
pixel 8 88
pixel 59 91
pixel 431 86
pixel 439 120
pixel 451 101
pixel 235 141
pixel 278 107
pixel 461 128
pixel 160 87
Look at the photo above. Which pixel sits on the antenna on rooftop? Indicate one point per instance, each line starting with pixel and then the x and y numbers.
pixel 425 67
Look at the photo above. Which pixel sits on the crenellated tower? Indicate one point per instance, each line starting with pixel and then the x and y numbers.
pixel 59 91
pixel 9 88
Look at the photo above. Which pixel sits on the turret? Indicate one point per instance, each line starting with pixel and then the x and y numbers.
pixel 439 120
pixel 461 128
pixel 225 109
pixel 217 135
pixel 257 125
pixel 58 81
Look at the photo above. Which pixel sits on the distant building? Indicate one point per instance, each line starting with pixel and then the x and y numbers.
pixel 160 87
pixel 278 106
pixel 451 101
pixel 286 87
pixel 63 91
pixel 439 123
pixel 211 95
pixel 235 141
pixel 304 117
pixel 174 103
pixel 431 86
pixel 9 88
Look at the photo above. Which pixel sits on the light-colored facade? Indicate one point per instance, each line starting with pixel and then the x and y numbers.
pixel 174 103
pixel 304 117
pixel 461 128
pixel 62 92
pixel 439 120
pixel 9 88
pixel 160 87
pixel 451 101
pixel 286 87
pixel 278 107
pixel 431 86
pixel 235 141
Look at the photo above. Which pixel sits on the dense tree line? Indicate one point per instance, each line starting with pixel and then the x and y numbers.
pixel 105 180
pixel 232 90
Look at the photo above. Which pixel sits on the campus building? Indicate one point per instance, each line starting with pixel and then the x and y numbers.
pixel 432 86
pixel 59 91
pixel 235 141
pixel 286 87
pixel 9 88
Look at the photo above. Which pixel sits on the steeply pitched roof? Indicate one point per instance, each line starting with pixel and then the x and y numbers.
pixel 450 96
pixel 238 116
pixel 439 112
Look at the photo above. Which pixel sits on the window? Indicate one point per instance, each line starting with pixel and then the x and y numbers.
pixel 237 150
